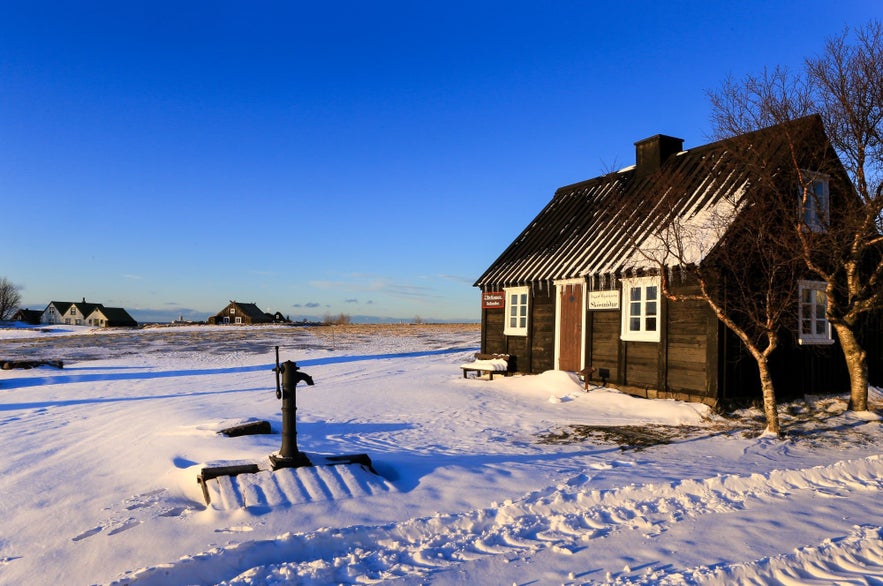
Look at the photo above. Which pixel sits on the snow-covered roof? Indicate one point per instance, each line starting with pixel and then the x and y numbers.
pixel 606 226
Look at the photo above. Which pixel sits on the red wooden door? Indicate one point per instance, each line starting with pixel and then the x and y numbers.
pixel 570 326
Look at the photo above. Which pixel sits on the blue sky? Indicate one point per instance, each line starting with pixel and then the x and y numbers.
pixel 338 157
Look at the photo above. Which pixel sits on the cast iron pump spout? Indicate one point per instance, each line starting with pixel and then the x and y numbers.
pixel 291 375
pixel 289 456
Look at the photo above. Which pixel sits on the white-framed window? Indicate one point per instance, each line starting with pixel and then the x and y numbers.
pixel 812 325
pixel 640 309
pixel 232 310
pixel 815 201
pixel 516 311
pixel 239 320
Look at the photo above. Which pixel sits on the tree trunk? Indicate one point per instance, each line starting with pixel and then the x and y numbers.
pixel 857 364
pixel 769 397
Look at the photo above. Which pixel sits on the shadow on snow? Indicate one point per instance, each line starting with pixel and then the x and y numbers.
pixel 60 379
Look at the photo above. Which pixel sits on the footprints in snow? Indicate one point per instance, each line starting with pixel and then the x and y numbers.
pixel 133 511
pixel 237 529
pixel 87 533
pixel 114 526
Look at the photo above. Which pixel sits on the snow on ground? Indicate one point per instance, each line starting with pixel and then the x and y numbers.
pixel 519 480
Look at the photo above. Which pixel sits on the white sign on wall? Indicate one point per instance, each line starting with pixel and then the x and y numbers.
pixel 603 300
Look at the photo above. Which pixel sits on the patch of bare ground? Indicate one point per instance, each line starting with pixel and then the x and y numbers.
pixel 634 437
pixel 405 329
pixel 430 335
pixel 819 421
pixel 226 340
pixel 824 421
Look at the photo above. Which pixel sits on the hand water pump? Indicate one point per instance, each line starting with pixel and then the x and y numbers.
pixel 289 456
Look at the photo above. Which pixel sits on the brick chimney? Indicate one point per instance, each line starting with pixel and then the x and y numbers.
pixel 652 152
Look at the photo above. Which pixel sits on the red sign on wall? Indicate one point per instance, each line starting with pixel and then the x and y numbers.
pixel 493 300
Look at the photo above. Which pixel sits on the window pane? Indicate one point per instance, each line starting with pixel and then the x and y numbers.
pixel 651 308
pixel 651 324
pixel 820 328
pixel 635 294
pixel 635 308
pixel 651 293
pixel 635 324
pixel 516 311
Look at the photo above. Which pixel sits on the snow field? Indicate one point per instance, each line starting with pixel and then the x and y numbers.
pixel 99 474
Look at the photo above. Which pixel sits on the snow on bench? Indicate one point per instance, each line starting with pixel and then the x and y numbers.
pixel 487 363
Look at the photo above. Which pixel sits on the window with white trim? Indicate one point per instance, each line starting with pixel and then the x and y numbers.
pixel 815 201
pixel 640 309
pixel 516 311
pixel 812 325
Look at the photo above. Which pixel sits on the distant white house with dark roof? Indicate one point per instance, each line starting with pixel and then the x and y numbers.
pixel 110 317
pixel 81 313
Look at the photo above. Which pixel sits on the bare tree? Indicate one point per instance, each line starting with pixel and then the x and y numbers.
pixel 10 298
pixel 728 256
pixel 849 85
pixel 845 86
pixel 336 320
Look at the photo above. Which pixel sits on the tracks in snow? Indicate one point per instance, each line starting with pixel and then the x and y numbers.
pixel 562 519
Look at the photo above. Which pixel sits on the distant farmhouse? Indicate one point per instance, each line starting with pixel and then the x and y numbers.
pixel 28 316
pixel 246 314
pixel 81 313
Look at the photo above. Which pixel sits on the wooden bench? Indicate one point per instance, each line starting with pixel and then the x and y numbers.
pixel 207 474
pixel 487 363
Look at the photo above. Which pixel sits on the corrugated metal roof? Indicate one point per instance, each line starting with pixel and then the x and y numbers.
pixel 594 228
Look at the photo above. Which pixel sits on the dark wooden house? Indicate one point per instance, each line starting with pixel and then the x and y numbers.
pixel 571 292
pixel 278 318
pixel 241 313
pixel 28 316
